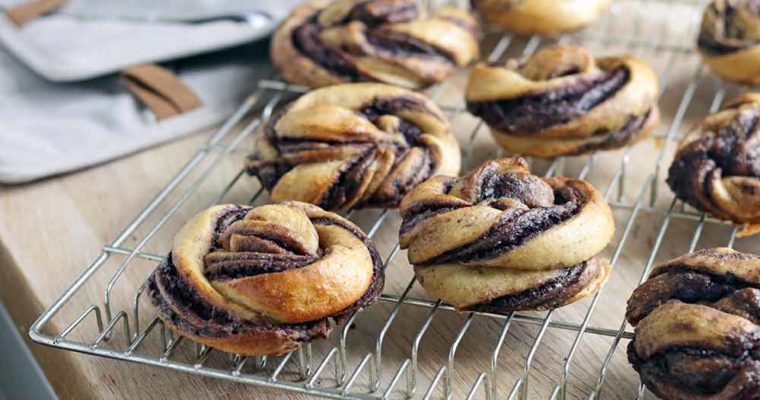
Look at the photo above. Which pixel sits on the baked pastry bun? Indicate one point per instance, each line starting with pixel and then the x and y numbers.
pixel 322 43
pixel 500 239
pixel 563 101
pixel 697 335
pixel 264 280
pixel 353 145
pixel 541 17
pixel 716 168
pixel 729 40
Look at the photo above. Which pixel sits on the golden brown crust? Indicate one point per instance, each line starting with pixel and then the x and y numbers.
pixel 392 41
pixel 542 17
pixel 500 239
pixel 264 280
pixel 729 40
pixel 717 166
pixel 697 333
pixel 353 145
pixel 563 101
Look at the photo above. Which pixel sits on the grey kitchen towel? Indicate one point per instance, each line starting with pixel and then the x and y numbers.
pixel 49 128
pixel 89 38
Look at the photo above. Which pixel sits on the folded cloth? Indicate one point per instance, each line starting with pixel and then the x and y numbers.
pixel 50 128
pixel 89 38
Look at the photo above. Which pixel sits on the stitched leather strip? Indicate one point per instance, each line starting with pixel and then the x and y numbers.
pixel 160 90
pixel 25 12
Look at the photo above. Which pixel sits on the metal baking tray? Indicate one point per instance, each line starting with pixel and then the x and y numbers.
pixel 411 345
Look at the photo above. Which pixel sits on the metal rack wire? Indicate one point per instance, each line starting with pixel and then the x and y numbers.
pixel 120 326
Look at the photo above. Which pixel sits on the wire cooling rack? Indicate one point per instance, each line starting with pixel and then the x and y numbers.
pixel 410 345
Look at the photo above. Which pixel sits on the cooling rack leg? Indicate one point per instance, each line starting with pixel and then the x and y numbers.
pixel 412 387
pixel 491 385
pixel 448 385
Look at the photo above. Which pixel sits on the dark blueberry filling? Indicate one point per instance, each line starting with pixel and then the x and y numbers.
pixel 534 112
pixel 373 15
pixel 216 322
pixel 727 36
pixel 235 213
pixel 306 39
pixel 401 45
pixel 548 295
pixel 690 285
pixel 380 106
pixel 700 370
pixel 228 266
pixel 348 182
pixel 515 228
pixel 347 186
pixel 729 151
pixel 627 134
pixel 382 12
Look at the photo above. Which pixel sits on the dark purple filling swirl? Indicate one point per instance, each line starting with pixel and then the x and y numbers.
pixel 374 15
pixel 727 34
pixel 532 113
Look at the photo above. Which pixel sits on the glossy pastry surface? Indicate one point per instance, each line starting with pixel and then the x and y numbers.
pixel 353 145
pixel 500 239
pixel 264 280
pixel 729 40
pixel 392 41
pixel 563 101
pixel 697 333
pixel 542 17
pixel 717 165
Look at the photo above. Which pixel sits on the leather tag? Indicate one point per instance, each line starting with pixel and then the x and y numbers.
pixel 160 90
pixel 25 12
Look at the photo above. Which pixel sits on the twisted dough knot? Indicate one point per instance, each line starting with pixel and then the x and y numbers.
pixel 323 43
pixel 729 39
pixel 543 17
pixel 500 239
pixel 697 333
pixel 717 166
pixel 562 101
pixel 264 280
pixel 353 145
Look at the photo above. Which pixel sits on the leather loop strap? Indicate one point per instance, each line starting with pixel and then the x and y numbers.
pixel 25 12
pixel 160 90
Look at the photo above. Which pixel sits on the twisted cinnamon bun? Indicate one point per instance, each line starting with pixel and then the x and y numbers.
pixel 729 40
pixel 393 41
pixel 264 280
pixel 542 17
pixel 563 101
pixel 500 239
pixel 697 327
pixel 353 145
pixel 717 166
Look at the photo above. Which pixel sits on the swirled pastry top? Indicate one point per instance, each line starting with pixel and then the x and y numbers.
pixel 501 239
pixel 353 145
pixel 717 166
pixel 264 280
pixel 562 100
pixel 697 333
pixel 393 41
pixel 543 17
pixel 729 39
pixel 729 26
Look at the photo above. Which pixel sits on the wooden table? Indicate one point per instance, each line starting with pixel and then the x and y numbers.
pixel 50 230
